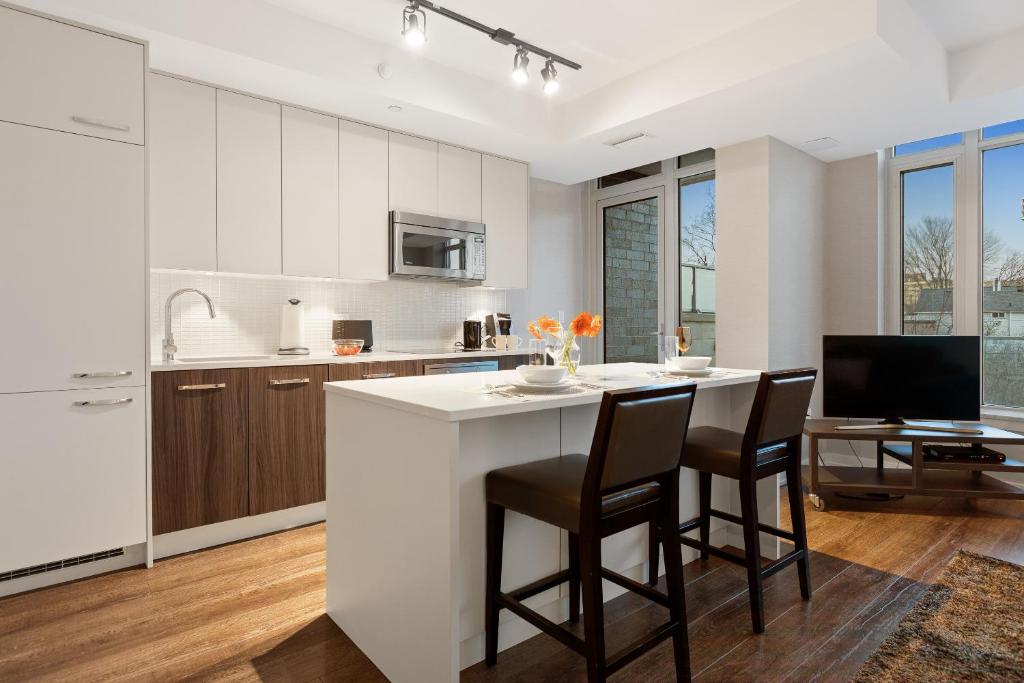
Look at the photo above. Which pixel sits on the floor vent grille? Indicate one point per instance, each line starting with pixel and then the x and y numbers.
pixel 60 564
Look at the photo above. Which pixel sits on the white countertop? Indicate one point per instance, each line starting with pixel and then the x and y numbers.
pixel 215 363
pixel 465 397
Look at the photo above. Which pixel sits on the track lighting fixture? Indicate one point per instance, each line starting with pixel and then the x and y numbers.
pixel 520 64
pixel 414 29
pixel 414 25
pixel 550 77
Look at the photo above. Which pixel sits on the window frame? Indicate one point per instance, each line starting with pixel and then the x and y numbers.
pixel 968 236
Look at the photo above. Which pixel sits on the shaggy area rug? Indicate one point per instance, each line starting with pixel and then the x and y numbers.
pixel 969 626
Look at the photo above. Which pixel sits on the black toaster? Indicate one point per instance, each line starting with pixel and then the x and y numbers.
pixel 354 329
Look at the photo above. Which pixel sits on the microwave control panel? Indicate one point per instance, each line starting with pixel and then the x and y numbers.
pixel 479 258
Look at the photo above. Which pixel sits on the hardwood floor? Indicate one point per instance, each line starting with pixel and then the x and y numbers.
pixel 254 610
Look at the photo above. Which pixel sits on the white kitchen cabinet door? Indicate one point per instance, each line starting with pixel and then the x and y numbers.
pixel 248 184
pixel 182 174
pixel 506 212
pixel 309 197
pixel 363 182
pixel 58 76
pixel 412 174
pixel 458 183
pixel 73 261
pixel 74 476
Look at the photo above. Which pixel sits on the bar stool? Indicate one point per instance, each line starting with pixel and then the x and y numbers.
pixel 630 478
pixel 770 444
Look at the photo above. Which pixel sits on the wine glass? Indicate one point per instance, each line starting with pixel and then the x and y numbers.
pixel 684 339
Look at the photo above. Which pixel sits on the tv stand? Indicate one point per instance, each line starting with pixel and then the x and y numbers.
pixel 924 477
pixel 898 424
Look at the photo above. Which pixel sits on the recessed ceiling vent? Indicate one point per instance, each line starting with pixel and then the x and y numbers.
pixel 819 144
pixel 60 564
pixel 629 140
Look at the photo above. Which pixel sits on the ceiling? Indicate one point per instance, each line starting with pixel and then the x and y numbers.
pixel 689 74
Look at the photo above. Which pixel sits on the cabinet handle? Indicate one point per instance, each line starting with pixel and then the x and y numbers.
pixel 100 123
pixel 278 382
pixel 379 375
pixel 201 387
pixel 103 402
pixel 110 373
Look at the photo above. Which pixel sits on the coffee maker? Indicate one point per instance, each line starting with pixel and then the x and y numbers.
pixel 498 324
pixel 472 335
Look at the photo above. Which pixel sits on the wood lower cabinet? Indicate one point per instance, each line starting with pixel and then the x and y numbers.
pixel 512 362
pixel 200 448
pixel 341 372
pixel 286 437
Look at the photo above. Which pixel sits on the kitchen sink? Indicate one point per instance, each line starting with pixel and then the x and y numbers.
pixel 217 359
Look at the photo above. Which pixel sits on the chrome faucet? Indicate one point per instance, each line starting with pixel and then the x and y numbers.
pixel 169 348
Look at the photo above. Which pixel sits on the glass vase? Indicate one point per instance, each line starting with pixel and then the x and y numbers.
pixel 569 355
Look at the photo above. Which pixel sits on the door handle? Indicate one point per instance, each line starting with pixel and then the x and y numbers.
pixel 379 375
pixel 102 123
pixel 103 402
pixel 201 387
pixel 279 382
pixel 105 373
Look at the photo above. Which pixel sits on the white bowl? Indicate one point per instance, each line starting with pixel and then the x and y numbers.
pixel 541 374
pixel 688 362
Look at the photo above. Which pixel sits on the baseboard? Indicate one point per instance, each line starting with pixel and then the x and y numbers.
pixel 134 556
pixel 188 540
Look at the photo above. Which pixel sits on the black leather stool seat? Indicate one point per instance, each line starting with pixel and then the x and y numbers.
pixel 550 490
pixel 716 450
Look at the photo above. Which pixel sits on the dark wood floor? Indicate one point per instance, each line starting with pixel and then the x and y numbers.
pixel 254 610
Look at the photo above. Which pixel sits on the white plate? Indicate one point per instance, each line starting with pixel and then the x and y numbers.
pixel 706 372
pixel 552 388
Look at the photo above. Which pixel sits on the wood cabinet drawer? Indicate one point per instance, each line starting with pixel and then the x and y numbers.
pixel 200 448
pixel 58 76
pixel 375 370
pixel 286 437
pixel 74 473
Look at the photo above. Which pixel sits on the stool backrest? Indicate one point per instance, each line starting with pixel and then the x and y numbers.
pixel 639 437
pixel 780 408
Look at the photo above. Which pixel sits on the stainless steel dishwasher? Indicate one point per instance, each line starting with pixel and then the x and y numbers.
pixel 461 367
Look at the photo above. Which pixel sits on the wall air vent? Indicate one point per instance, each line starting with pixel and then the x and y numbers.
pixel 60 564
pixel 628 140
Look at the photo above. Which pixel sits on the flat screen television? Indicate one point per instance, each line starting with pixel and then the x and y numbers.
pixel 897 377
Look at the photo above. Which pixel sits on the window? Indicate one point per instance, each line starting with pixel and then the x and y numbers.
pixel 645 171
pixel 1002 293
pixel 1011 128
pixel 699 157
pixel 697 261
pixel 927 239
pixel 929 144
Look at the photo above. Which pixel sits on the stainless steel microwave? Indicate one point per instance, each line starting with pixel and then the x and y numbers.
pixel 437 248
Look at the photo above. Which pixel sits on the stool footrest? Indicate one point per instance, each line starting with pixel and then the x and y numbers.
pixel 717 552
pixel 635 586
pixel 540 585
pixel 570 640
pixel 640 646
pixel 692 524
pixel 778 565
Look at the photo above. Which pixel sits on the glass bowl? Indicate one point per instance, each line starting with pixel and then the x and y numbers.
pixel 347 347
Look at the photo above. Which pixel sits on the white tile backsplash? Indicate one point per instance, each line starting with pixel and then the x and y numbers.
pixel 406 315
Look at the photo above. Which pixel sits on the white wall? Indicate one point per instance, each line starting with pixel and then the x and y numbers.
pixel 556 255
pixel 854 242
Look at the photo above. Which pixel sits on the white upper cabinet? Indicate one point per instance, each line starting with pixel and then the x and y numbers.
pixel 506 212
pixel 458 183
pixel 182 174
pixel 363 181
pixel 72 266
pixel 309 198
pixel 248 184
pixel 412 175
pixel 58 76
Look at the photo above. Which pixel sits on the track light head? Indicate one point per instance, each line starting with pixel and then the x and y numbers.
pixel 414 25
pixel 550 76
pixel 520 64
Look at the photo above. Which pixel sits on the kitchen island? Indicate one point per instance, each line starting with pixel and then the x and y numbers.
pixel 406 461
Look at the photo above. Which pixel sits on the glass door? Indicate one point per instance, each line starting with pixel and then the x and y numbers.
pixel 632 280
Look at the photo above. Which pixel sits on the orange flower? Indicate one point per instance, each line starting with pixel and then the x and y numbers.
pixel 549 325
pixel 586 325
pixel 533 329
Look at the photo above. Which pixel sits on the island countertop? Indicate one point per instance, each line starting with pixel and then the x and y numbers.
pixel 454 398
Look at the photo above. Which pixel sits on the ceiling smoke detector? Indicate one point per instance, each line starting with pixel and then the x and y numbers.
pixel 628 140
